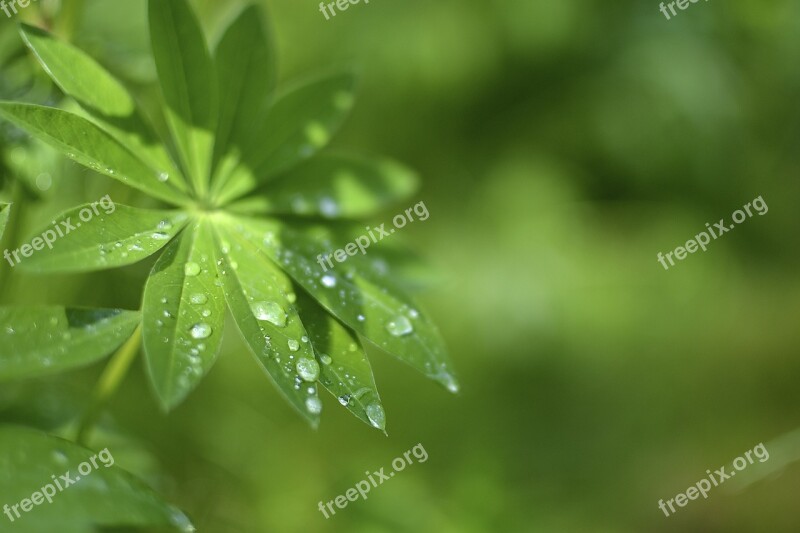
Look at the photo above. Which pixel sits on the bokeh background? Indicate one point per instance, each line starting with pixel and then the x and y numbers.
pixel 562 145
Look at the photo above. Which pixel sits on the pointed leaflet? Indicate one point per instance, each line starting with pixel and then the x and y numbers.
pixel 345 370
pixel 187 79
pixel 379 312
pixel 261 300
pixel 117 235
pixel 5 209
pixel 298 124
pixel 247 75
pixel 89 145
pixel 183 315
pixel 106 497
pixel 36 341
pixel 103 97
pixel 338 186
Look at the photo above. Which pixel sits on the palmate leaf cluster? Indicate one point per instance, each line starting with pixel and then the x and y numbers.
pixel 255 199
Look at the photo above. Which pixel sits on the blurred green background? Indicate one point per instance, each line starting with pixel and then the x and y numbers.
pixel 562 146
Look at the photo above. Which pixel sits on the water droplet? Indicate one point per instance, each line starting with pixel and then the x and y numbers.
pixel 304 338
pixel 159 236
pixel 271 312
pixel 344 399
pixel 328 207
pixel 294 345
pixel 449 382
pixel 308 369
pixel 191 268
pixel 164 225
pixel 360 318
pixel 206 313
pixel 60 457
pixel 376 415
pixel 291 297
pixel 163 176
pixel 200 331
pixel 399 326
pixel 326 359
pixel 314 405
pixel 329 280
pixel 198 298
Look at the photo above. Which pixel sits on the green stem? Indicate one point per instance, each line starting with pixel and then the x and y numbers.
pixel 108 383
pixel 69 17
pixel 12 230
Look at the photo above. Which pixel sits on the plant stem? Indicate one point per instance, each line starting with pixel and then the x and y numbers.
pixel 12 228
pixel 108 383
pixel 68 18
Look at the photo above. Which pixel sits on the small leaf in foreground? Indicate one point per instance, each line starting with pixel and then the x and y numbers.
pixel 346 372
pixel 107 496
pixel 117 236
pixel 37 341
pixel 183 315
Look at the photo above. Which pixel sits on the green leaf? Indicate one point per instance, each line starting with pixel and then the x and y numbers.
pixel 37 341
pixel 345 369
pixel 5 210
pixel 183 315
pixel 338 186
pixel 365 302
pixel 298 125
pixel 117 236
pixel 32 462
pixel 102 96
pixel 247 75
pixel 261 299
pixel 188 82
pixel 92 147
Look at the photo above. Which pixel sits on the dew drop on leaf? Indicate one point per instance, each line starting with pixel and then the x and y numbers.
pixel 191 268
pixel 271 312
pixel 376 415
pixel 198 298
pixel 200 331
pixel 314 405
pixel 399 326
pixel 294 345
pixel 329 280
pixel 328 207
pixel 308 369
pixel 326 359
